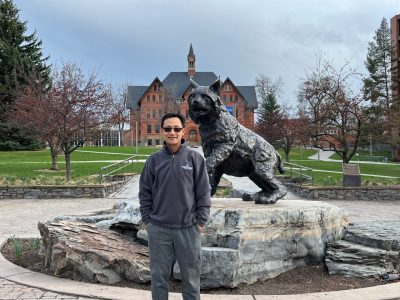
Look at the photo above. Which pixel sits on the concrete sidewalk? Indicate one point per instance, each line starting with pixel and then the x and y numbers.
pixel 20 218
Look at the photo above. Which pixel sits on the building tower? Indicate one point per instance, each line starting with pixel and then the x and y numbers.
pixel 191 58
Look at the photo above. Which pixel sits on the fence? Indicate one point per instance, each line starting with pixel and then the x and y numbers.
pixel 374 158
pixel 126 165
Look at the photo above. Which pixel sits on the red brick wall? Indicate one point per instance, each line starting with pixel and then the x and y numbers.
pixel 145 116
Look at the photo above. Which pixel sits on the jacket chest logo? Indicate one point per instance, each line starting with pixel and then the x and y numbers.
pixel 187 167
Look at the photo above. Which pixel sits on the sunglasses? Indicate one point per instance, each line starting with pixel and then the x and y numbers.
pixel 169 129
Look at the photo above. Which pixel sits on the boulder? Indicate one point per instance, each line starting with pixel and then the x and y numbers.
pixel 367 249
pixel 244 242
pixel 95 255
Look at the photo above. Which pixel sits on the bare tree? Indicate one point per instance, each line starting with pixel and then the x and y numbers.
pixel 294 129
pixel 34 109
pixel 73 110
pixel 335 107
pixel 119 114
pixel 171 100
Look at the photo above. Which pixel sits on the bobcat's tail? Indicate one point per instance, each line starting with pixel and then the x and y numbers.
pixel 279 165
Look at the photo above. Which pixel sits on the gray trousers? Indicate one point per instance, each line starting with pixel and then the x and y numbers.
pixel 167 245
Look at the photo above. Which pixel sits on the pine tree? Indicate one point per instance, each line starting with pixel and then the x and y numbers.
pixel 382 119
pixel 378 63
pixel 21 57
pixel 269 116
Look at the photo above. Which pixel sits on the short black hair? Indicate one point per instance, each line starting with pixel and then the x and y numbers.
pixel 172 115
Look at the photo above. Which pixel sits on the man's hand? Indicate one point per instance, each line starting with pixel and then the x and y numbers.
pixel 200 227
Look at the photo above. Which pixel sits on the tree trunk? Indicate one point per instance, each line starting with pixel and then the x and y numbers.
pixel 287 155
pixel 54 162
pixel 67 153
pixel 54 149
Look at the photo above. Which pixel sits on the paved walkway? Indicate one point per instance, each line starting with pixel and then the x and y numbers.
pixel 20 218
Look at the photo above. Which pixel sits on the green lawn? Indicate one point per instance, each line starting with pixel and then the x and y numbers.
pixel 22 166
pixel 86 161
pixel 330 173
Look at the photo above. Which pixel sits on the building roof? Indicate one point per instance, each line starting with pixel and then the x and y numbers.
pixel 249 95
pixel 178 83
pixel 135 93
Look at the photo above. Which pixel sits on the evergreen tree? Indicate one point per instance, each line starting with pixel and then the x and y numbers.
pixel 382 118
pixel 269 117
pixel 378 84
pixel 21 57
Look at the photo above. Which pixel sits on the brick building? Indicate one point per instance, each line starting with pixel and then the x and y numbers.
pixel 147 104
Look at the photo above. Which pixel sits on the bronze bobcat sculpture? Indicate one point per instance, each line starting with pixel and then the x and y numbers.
pixel 230 148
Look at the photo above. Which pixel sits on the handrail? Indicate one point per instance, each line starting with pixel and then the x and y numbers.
pixel 116 167
pixel 293 169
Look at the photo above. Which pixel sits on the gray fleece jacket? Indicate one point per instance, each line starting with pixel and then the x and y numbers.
pixel 174 189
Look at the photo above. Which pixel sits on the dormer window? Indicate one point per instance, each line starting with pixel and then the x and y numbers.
pixel 227 87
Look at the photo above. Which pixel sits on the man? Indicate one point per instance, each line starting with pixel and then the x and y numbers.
pixel 174 195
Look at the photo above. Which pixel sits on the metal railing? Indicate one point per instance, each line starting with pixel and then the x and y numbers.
pixel 298 171
pixel 374 158
pixel 126 165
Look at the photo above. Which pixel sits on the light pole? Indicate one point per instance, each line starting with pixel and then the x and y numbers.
pixel 370 146
pixel 136 129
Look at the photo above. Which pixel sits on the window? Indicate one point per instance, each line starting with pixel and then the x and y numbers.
pixel 157 128
pixel 149 142
pixel 160 98
pixel 236 98
pixel 149 128
pixel 156 87
pixel 157 142
pixel 148 113
pixel 148 98
pixel 154 98
pixel 230 98
pixel 154 113
pixel 227 87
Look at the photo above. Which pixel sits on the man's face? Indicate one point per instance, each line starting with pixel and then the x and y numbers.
pixel 172 138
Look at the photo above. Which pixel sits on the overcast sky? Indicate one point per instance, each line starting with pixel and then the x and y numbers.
pixel 133 41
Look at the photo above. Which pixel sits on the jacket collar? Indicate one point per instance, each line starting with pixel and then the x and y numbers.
pixel 182 148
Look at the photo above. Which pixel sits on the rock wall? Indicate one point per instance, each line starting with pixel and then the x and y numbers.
pixel 50 192
pixel 366 193
pixel 63 191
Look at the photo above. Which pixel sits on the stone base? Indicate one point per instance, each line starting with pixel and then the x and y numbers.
pixel 245 242
pixel 242 242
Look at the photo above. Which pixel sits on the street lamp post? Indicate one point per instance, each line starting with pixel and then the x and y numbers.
pixel 136 124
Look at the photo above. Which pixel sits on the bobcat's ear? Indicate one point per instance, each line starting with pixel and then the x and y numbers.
pixel 216 86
